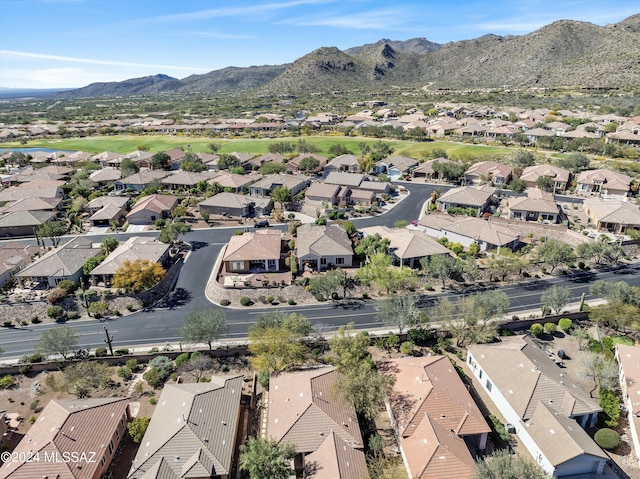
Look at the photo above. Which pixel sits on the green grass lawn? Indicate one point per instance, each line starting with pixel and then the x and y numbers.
pixel 128 143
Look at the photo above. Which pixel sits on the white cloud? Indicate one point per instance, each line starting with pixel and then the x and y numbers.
pixel 387 19
pixel 49 78
pixel 242 11
pixel 44 56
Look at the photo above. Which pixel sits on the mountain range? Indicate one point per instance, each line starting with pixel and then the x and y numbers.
pixel 565 53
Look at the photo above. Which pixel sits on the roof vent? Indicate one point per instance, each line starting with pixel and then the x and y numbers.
pixel 224 423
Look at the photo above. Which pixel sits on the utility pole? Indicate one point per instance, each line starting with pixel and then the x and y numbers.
pixel 108 340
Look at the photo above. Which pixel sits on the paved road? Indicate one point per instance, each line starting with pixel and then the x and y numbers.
pixel 162 324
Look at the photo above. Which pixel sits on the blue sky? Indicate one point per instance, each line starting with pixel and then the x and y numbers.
pixel 71 43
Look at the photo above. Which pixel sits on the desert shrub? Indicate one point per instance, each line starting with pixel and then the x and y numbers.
pixel 163 364
pixel 56 295
pixel 73 315
pixel 594 346
pixel 610 411
pixel 152 376
pixel 55 312
pixel 24 368
pixel 182 359
pixel 607 439
pixel 225 302
pixel 36 358
pixel 121 352
pixel 125 373
pixel 291 302
pixel 419 335
pixel 607 342
pixel 98 309
pixel 100 352
pixel 499 431
pixel 263 378
pixel 132 364
pixel 245 301
pixel 137 427
pixel 536 329
pixel 153 401
pixel 270 299
pixel 6 381
pixel 406 347
pixel 565 324
pixel 549 328
pixel 68 285
pixel 35 320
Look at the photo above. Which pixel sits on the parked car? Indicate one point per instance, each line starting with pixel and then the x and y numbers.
pixel 261 224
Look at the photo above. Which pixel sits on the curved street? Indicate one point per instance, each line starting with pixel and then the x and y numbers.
pixel 160 325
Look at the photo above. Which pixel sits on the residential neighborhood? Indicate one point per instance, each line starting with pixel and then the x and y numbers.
pixel 258 274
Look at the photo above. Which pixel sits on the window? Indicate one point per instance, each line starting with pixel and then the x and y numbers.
pixel 339 260
pixel 271 262
pixel 103 461
pixel 117 434
pixel 111 447
pixel 323 260
pixel 236 265
pixel 480 375
pixel 489 385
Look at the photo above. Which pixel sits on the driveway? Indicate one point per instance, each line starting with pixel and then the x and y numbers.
pixel 137 228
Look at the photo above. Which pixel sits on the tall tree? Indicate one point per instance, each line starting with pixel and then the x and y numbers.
pixel 501 464
pixel 327 283
pixel 554 253
pixel 52 230
pixel 128 167
pixel 441 266
pixel 60 340
pixel 109 244
pixel 161 161
pixel 265 458
pixel 204 326
pixel 401 311
pixel 138 275
pixel 172 232
pixel 276 349
pixel 282 195
pixel 556 297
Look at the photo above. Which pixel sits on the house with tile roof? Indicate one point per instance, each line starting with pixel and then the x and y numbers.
pixel 395 166
pixel 478 198
pixel 254 251
pixel 425 170
pixel 613 216
pixel 17 224
pixel 108 159
pixel 14 257
pixel 234 182
pixel 628 358
pixel 293 165
pixel 305 410
pixel 352 180
pixel 185 179
pixel 106 209
pixel 407 247
pixel 139 181
pixel 322 247
pixel 490 172
pixel 548 411
pixel 560 176
pixel 346 163
pixel 435 418
pixel 33 189
pixel 63 262
pixel 33 204
pixel 603 182
pixel 232 204
pixel 264 187
pixel 537 205
pixel 193 432
pixel 105 175
pixel 466 231
pixel 67 428
pixel 150 208
pixel 326 195
pixel 133 249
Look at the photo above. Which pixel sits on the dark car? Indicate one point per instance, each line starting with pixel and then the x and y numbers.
pixel 261 224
